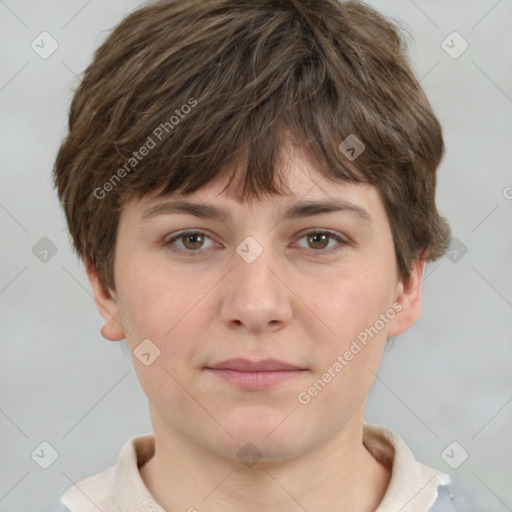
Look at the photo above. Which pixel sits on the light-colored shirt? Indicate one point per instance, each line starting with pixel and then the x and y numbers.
pixel 413 487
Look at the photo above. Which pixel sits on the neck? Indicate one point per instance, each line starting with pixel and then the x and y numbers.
pixel 339 475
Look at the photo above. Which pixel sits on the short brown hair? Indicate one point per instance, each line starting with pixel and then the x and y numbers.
pixel 239 77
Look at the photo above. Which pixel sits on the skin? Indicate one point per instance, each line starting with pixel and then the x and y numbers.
pixel 299 302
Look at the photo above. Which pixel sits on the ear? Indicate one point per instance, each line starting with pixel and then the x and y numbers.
pixel 408 295
pixel 107 306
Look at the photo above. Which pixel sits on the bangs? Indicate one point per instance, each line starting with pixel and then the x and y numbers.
pixel 242 135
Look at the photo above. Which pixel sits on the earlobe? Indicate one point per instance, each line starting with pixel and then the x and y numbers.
pixel 107 306
pixel 408 295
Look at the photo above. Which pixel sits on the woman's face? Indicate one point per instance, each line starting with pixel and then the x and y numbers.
pixel 315 287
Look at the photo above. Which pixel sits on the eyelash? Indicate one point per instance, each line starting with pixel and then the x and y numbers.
pixel 170 242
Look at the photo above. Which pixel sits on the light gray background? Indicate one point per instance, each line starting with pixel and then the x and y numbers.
pixel 447 379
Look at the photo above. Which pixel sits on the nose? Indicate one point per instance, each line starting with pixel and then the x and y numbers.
pixel 255 294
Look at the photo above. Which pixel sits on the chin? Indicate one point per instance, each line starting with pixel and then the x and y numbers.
pixel 268 436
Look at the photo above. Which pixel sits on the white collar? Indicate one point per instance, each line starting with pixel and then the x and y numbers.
pixel 413 486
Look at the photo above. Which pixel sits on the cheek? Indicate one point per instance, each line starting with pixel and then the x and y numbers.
pixel 352 301
pixel 164 307
pixel 159 306
pixel 355 336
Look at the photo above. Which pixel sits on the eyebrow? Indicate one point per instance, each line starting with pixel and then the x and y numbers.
pixel 295 211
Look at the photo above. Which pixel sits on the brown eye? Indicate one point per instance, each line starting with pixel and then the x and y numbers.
pixel 190 243
pixel 193 241
pixel 319 241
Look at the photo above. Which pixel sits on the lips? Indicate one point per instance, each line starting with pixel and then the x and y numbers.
pixel 256 376
pixel 244 365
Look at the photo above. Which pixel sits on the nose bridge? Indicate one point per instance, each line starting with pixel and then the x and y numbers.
pixel 255 296
pixel 253 275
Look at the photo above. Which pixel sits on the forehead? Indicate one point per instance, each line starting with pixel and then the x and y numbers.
pixel 309 192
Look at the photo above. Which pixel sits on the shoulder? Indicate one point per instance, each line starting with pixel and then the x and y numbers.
pixel 117 485
pixel 89 493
